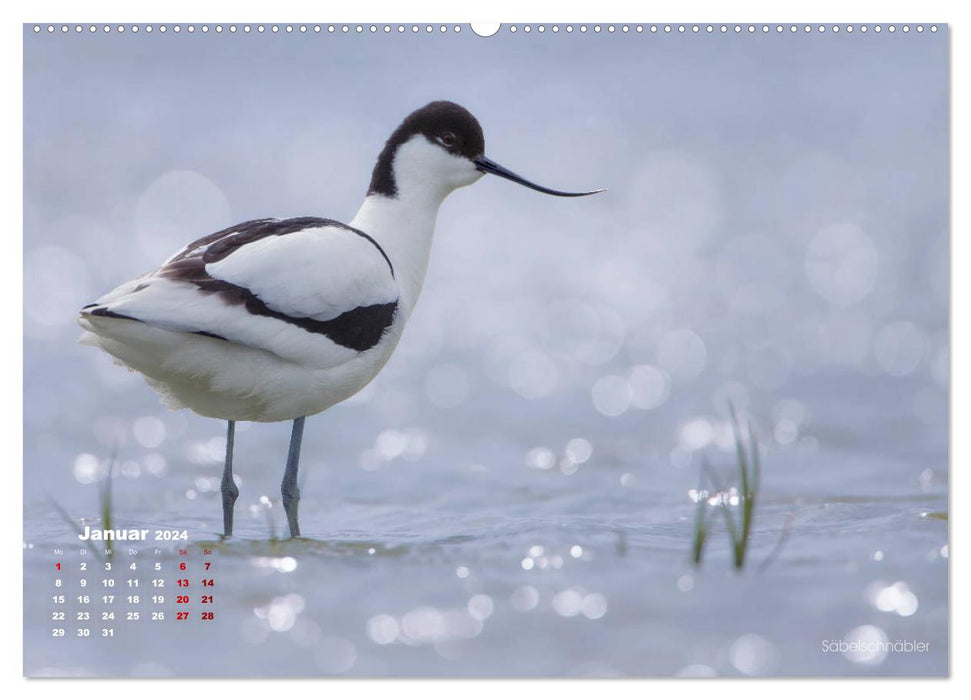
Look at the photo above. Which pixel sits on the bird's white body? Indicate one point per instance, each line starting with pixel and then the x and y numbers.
pixel 279 319
pixel 264 366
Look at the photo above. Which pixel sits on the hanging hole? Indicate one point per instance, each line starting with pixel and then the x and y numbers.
pixel 485 29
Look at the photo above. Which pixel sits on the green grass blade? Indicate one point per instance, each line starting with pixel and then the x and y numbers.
pixel 756 460
pixel 65 517
pixel 754 482
pixel 271 525
pixel 70 522
pixel 701 525
pixel 733 533
pixel 745 487
pixel 104 496
pixel 739 448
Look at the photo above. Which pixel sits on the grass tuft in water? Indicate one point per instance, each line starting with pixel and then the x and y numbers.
pixel 104 506
pixel 749 474
pixel 104 496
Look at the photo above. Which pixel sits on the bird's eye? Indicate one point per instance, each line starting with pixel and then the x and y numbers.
pixel 447 139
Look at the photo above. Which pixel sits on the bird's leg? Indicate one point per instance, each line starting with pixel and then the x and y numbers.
pixel 228 486
pixel 289 488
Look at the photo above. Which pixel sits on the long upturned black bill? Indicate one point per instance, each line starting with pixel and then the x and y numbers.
pixel 487 166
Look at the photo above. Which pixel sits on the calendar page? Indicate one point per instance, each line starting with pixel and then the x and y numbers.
pixel 519 350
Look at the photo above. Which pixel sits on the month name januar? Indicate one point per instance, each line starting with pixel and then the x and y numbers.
pixel 90 534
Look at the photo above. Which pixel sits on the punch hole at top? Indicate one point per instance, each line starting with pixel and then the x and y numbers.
pixel 485 28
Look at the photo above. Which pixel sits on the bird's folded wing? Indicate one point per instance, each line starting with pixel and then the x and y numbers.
pixel 310 290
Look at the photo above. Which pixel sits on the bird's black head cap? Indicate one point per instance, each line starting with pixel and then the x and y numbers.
pixel 445 123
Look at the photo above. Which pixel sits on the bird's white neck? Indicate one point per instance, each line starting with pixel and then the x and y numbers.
pixel 409 183
pixel 403 226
